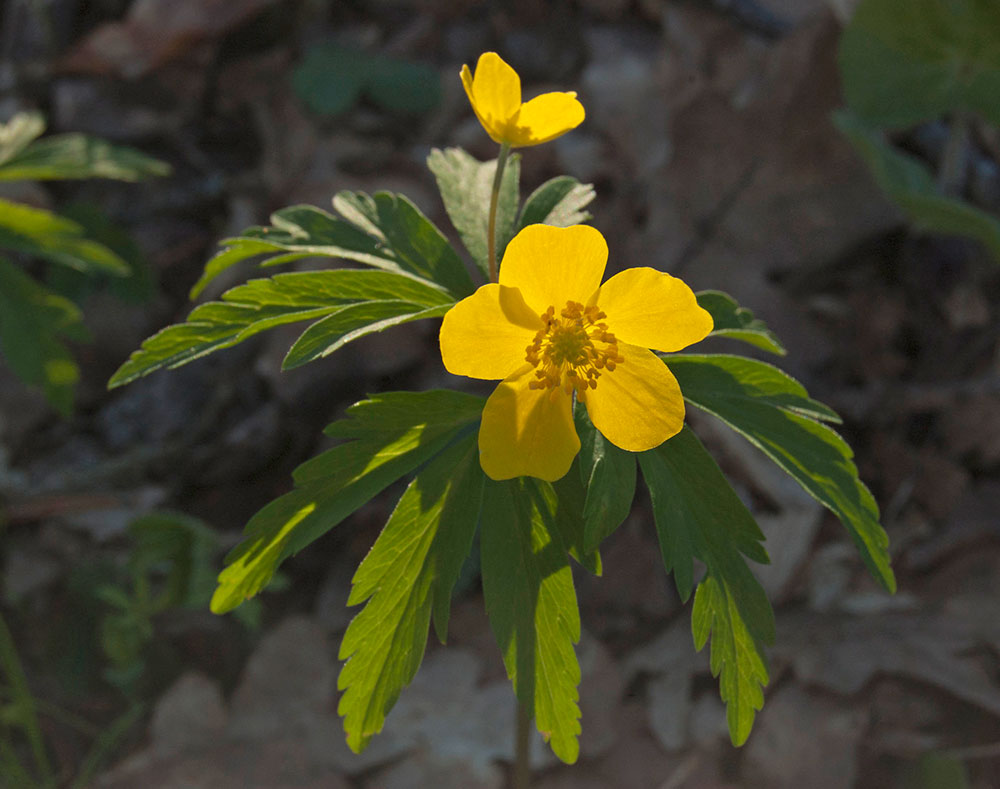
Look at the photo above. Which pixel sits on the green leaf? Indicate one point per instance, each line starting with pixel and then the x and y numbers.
pixel 910 185
pixel 351 322
pixel 699 516
pixel 565 497
pixel 18 132
pixel 35 231
pixel 33 323
pixel 344 303
pixel 394 433
pixel 385 231
pixel 560 201
pixel 608 477
pixel 331 79
pixel 738 323
pixel 944 58
pixel 529 596
pixel 406 577
pixel 66 156
pixel 466 185
pixel 774 413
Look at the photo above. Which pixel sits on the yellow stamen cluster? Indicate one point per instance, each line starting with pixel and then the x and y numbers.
pixel 565 353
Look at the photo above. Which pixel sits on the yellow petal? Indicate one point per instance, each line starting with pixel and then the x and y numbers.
pixel 651 309
pixel 495 93
pixel 486 334
pixel 553 265
pixel 639 405
pixel 527 432
pixel 544 118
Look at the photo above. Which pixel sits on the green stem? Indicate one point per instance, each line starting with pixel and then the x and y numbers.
pixel 522 748
pixel 24 702
pixel 491 230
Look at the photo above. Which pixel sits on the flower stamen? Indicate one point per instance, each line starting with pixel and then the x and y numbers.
pixel 566 353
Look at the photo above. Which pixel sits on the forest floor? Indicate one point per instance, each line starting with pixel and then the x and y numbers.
pixel 708 139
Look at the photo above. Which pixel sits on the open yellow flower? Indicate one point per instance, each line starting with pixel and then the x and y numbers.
pixel 495 94
pixel 550 330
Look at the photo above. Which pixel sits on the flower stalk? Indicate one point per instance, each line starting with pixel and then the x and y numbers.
pixel 522 748
pixel 491 229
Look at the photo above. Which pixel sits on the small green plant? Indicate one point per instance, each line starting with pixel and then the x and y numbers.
pixel 908 62
pixel 36 321
pixel 592 393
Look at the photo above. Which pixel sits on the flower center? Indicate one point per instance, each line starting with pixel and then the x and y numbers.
pixel 566 354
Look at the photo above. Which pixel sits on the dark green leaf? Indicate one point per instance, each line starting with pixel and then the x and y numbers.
pixel 466 184
pixel 408 575
pixel 942 58
pixel 910 185
pixel 18 132
pixel 332 77
pixel 699 516
pixel 773 412
pixel 738 323
pixel 403 87
pixel 67 156
pixel 33 323
pixel 345 303
pixel 385 231
pixel 565 497
pixel 396 432
pixel 34 231
pixel 560 201
pixel 608 477
pixel 529 596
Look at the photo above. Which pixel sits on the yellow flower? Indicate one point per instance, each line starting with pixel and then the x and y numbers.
pixel 550 330
pixel 495 94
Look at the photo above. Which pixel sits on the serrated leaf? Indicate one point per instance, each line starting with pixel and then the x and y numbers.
pixel 18 132
pixel 35 231
pixel 337 482
pixel 385 231
pixel 560 201
pixel 773 412
pixel 738 323
pixel 34 322
pixel 607 474
pixel 910 185
pixel 406 577
pixel 466 184
pixel 529 596
pixel 73 156
pixel 352 302
pixel 699 516
pixel 944 58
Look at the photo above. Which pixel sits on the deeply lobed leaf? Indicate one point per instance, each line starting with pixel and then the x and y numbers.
pixel 408 576
pixel 772 411
pixel 738 323
pixel 531 603
pixel 344 304
pixel 396 432
pixel 699 516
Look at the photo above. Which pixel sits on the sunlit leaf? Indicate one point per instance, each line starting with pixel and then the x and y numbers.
pixel 466 184
pixel 531 604
pixel 406 577
pixel 66 156
pixel 560 201
pixel 343 304
pixel 394 433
